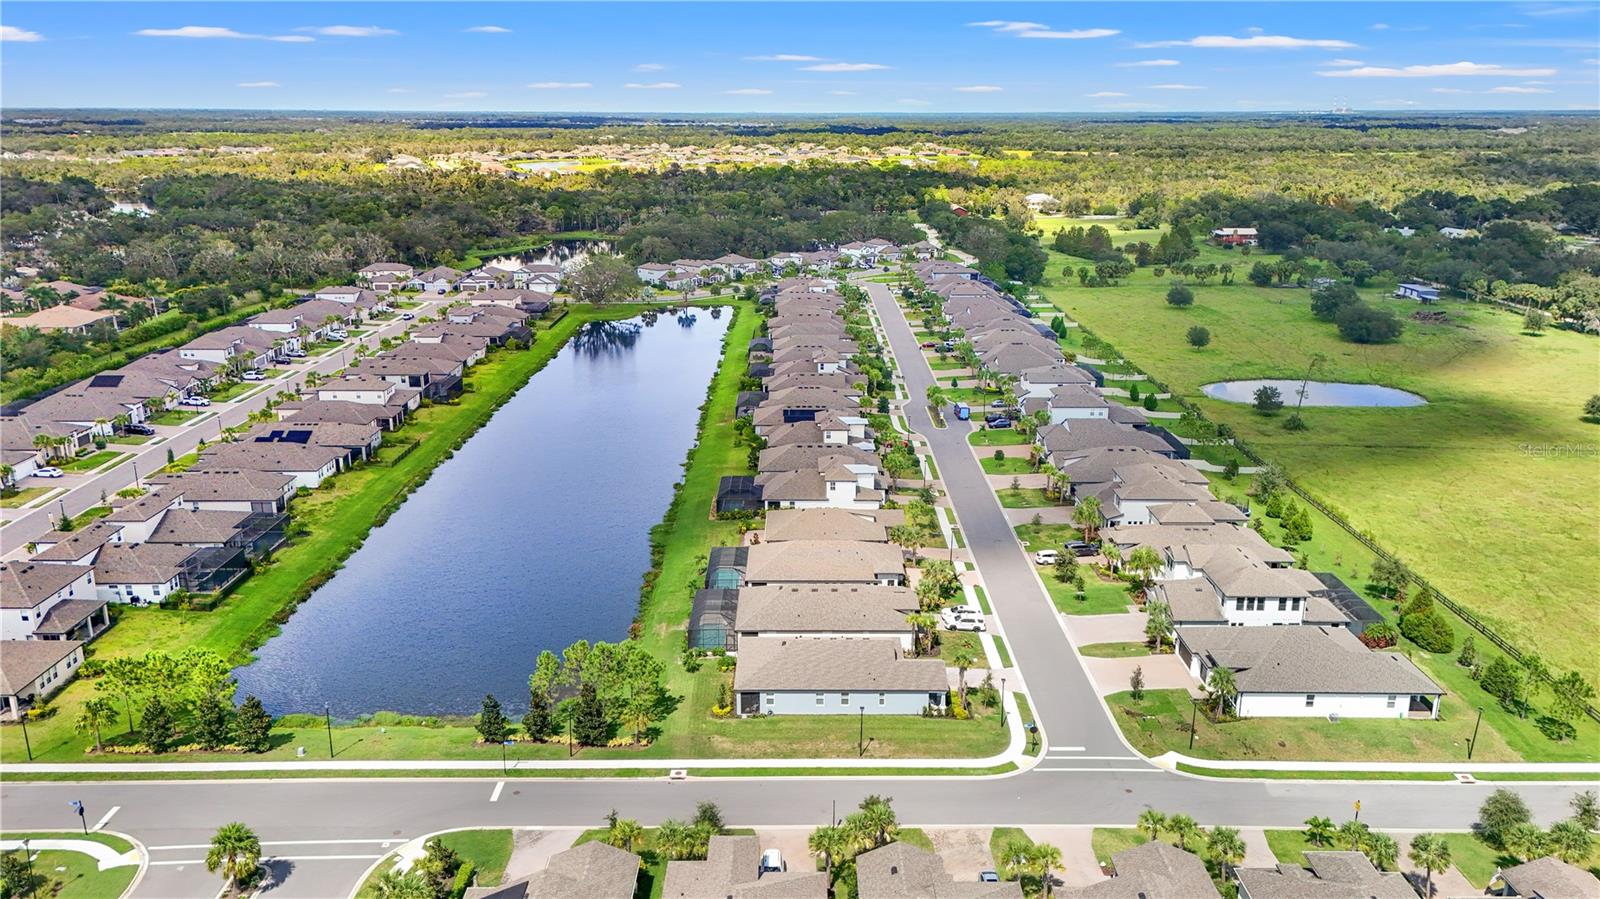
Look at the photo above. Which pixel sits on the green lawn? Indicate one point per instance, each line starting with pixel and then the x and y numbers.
pixel 172 416
pixel 1289 846
pixel 130 439
pixel 233 391
pixel 1160 723
pixel 1024 498
pixel 1007 465
pixel 1414 477
pixel 1114 650
pixel 1100 597
pixel 1035 537
pixel 91 461
pixel 952 643
pixel 1476 860
pixel 488 850
pixel 73 875
pixel 1004 653
pixel 16 498
pixel 1108 841
pixel 1001 437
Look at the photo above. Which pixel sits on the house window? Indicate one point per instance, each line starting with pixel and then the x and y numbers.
pixel 771 699
pixel 1283 605
pixel 883 699
pixel 1238 605
pixel 1311 700
pixel 1390 703
pixel 819 699
pixel 1295 605
pixel 844 698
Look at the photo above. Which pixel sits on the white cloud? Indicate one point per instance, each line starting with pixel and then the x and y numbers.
pixel 784 57
pixel 1446 70
pixel 466 95
pixel 349 31
pixel 980 89
pixel 911 101
pixel 1144 63
pixel 487 29
pixel 20 35
pixel 1557 10
pixel 210 32
pixel 1449 90
pixel 844 67
pixel 1176 87
pixel 259 84
pixel 649 67
pixel 1380 26
pixel 1005 25
pixel 1255 29
pixel 1344 63
pixel 842 93
pixel 402 90
pixel 749 92
pixel 559 85
pixel 653 86
pixel 1106 94
pixel 1514 89
pixel 1253 42
pixel 1078 35
pixel 1392 104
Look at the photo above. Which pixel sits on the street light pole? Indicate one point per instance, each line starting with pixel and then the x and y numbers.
pixel 1194 718
pixel 861 739
pixel 27 853
pixel 1002 701
pixel 136 473
pixel 327 716
pixel 1473 743
pixel 26 743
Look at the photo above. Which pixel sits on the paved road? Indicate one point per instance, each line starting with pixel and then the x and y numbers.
pixel 324 834
pixel 85 491
pixel 1064 700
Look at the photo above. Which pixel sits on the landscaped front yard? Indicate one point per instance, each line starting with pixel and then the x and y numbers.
pixel 1024 498
pixel 1006 465
pixel 997 437
pixel 91 461
pixel 173 416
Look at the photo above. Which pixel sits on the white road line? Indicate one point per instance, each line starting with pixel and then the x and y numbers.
pixel 1127 770
pixel 1067 748
pixel 1097 758
pixel 102 821
pixel 383 842
pixel 495 796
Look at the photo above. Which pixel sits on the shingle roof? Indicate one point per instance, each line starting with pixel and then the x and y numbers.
pixel 903 871
pixel 590 870
pixel 24 585
pixel 730 871
pixel 1333 875
pixel 823 561
pixel 222 484
pixel 1551 878
pixel 1305 659
pixel 186 527
pixel 140 563
pixel 75 545
pixel 66 615
pixel 829 608
pixel 831 524
pixel 1154 870
pixel 864 665
pixel 23 661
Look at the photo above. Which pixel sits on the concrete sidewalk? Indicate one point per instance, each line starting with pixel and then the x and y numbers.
pixel 103 855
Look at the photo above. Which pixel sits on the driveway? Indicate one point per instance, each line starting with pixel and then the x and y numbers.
pixel 1079 867
pixel 1164 672
pixel 964 850
pixel 1127 627
pixel 531 850
pixel 792 842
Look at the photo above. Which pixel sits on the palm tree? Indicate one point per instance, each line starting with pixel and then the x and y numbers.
pixel 1112 553
pixel 963 660
pixel 1220 686
pixel 1144 562
pixel 908 537
pixel 1183 827
pixel 624 833
pixel 7 476
pixel 1430 853
pixel 1225 847
pixel 1041 859
pixel 830 842
pixel 1353 835
pixel 236 852
pixel 1569 841
pixel 878 816
pixel 1086 515
pixel 1152 822
pixel 1524 840
pixel 1319 831
pixel 1383 851
pixel 922 626
pixel 94 713
pixel 674 839
pixel 397 885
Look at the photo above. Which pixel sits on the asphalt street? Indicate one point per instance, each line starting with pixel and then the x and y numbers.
pixel 321 835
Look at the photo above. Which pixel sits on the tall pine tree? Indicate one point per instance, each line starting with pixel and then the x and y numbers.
pixel 253 726
pixel 492 724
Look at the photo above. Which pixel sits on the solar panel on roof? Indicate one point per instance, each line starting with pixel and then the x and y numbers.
pixel 105 381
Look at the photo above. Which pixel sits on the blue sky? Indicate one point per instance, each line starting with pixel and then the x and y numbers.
pixel 802 57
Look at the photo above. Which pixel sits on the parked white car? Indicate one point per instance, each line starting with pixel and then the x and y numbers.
pixel 772 861
pixel 253 375
pixel 1046 557
pixel 194 401
pixel 48 472
pixel 338 335
pixel 965 624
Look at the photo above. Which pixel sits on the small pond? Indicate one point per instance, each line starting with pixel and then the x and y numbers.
pixel 1317 393
pixel 566 253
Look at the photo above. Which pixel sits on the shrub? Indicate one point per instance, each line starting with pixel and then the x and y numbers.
pixel 1380 636
pixel 1199 337
pixel 1327 301
pixel 1180 296
pixel 1555 728
pixel 1499 813
pixel 1360 323
pixel 1469 653
pixel 1150 402
pixel 1501 680
pixel 1428 630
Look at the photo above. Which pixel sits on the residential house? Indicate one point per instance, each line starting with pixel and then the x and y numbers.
pixel 40 601
pixel 440 279
pixel 1422 293
pixel 436 379
pixel 224 489
pixel 681 280
pixel 307 464
pixel 902 871
pixel 238 347
pixel 1236 237
pixel 141 573
pixel 1309 672
pixel 653 272
pixel 592 870
pixel 538 277
pixel 871 526
pixel 484 279
pixel 835 677
pixel 1073 438
pixel 65 317
pixel 732 870
pixel 387 417
pixel 1228 585
pixel 374 391
pixel 1332 875
pixel 390 269
pixel 1546 878
pixel 31 670
pixel 823 562
pixel 1154 870
pixel 1454 233
pixel 825 612
pixel 737 265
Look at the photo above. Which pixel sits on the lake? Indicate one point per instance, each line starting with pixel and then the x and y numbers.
pixel 1318 393
pixel 533 535
pixel 566 252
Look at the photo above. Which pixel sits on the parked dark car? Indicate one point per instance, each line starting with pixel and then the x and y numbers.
pixel 140 430
pixel 1000 423
pixel 992 417
pixel 1080 548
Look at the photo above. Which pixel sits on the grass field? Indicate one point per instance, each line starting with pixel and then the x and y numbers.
pixel 1002 437
pixel 1114 650
pixel 1108 841
pixel 1487 490
pixel 91 461
pixel 73 875
pixel 1024 498
pixel 1006 465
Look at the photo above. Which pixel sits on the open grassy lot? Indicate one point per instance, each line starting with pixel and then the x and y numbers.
pixel 1160 723
pixel 1108 841
pixel 91 461
pixel 1006 465
pixel 1488 490
pixel 1024 498
pixel 15 498
pixel 1001 437
pixel 1114 650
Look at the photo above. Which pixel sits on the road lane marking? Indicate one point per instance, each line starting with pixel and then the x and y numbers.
pixel 103 821
pixel 275 858
pixel 495 796
pixel 1096 758
pixel 1129 770
pixel 1067 748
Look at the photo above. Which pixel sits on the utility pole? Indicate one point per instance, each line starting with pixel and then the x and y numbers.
pixel 26 743
pixel 1002 701
pixel 861 739
pixel 27 853
pixel 1194 718
pixel 1473 743
pixel 327 714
